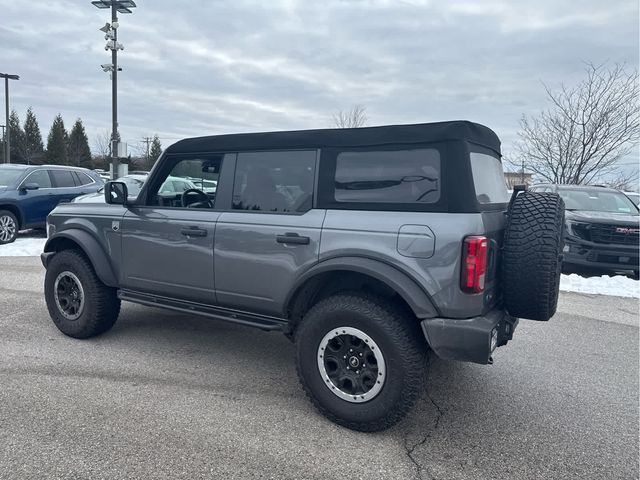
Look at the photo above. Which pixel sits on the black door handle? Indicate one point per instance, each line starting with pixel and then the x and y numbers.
pixel 193 232
pixel 293 238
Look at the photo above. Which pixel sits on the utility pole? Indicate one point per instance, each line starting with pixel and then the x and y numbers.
pixel 147 140
pixel 7 142
pixel 522 172
pixel 111 35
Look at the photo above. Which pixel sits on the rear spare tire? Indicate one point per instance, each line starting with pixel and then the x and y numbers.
pixel 532 255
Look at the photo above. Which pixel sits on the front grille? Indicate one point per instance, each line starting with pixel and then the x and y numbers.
pixel 602 233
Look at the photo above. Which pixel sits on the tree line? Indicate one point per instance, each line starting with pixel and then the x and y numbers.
pixel 67 148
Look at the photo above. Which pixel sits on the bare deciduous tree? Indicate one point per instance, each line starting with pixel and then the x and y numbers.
pixel 588 128
pixel 353 118
pixel 626 181
pixel 102 148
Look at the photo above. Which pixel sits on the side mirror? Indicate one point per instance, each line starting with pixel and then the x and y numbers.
pixel 115 193
pixel 30 186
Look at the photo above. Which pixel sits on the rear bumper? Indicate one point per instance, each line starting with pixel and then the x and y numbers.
pixel 470 339
pixel 601 256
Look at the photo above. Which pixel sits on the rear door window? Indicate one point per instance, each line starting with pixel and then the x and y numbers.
pixel 62 178
pixel 488 178
pixel 389 176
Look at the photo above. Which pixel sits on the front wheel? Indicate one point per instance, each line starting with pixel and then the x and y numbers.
pixel 79 304
pixel 8 227
pixel 361 360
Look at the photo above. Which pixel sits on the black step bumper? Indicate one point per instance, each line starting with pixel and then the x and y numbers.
pixel 470 339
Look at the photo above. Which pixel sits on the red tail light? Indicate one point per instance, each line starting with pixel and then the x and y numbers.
pixel 474 264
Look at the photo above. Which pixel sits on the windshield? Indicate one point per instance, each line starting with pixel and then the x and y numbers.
pixel 9 176
pixel 595 201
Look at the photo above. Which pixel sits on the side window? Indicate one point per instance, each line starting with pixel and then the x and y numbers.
pixel 82 178
pixel 390 176
pixel 62 178
pixel 41 177
pixel 274 181
pixel 187 174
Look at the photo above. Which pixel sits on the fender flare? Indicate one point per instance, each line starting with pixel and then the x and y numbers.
pixel 91 248
pixel 417 298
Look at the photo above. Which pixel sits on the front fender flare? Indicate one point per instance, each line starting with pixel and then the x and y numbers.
pixel 91 248
pixel 417 299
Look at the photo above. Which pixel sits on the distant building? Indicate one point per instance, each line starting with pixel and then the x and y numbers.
pixel 518 178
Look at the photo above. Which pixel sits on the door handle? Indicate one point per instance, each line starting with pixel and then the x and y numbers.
pixel 293 238
pixel 193 232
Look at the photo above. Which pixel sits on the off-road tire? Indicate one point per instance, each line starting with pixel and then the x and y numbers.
pixel 532 255
pixel 400 340
pixel 6 214
pixel 101 303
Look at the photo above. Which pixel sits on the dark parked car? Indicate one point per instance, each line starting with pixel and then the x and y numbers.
pixel 602 228
pixel 29 192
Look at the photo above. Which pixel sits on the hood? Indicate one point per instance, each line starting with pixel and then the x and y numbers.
pixel 602 217
pixel 97 197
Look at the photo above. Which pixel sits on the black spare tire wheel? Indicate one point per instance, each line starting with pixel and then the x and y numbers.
pixel 532 255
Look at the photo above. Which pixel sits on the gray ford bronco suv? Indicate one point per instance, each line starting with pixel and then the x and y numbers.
pixel 367 247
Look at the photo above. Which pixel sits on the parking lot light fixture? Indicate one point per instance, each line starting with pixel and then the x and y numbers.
pixel 111 35
pixel 7 142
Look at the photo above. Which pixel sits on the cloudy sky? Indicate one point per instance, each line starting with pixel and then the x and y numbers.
pixel 203 67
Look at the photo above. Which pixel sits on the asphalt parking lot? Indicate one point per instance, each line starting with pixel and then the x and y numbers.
pixel 172 396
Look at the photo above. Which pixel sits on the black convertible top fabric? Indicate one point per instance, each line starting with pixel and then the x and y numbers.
pixel 343 137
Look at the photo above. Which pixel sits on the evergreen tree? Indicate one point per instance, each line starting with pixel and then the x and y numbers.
pixel 57 143
pixel 33 147
pixel 16 138
pixel 79 151
pixel 155 151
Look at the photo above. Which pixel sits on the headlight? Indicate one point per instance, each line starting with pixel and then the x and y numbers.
pixel 578 229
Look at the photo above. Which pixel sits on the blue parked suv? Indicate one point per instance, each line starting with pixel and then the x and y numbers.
pixel 29 192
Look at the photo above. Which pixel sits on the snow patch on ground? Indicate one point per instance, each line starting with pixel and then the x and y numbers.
pixel 28 244
pixel 618 285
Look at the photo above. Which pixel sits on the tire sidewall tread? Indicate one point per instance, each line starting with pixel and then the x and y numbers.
pixel 101 304
pixel 401 346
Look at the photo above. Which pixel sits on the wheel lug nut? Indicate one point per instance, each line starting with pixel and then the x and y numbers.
pixel 357 371
pixel 347 368
pixel 360 354
pixel 344 356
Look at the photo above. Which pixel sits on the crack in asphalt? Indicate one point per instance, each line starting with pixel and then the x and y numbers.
pixel 409 449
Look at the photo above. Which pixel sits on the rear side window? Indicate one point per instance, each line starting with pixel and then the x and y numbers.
pixel 488 179
pixel 82 178
pixel 274 181
pixel 62 178
pixel 391 176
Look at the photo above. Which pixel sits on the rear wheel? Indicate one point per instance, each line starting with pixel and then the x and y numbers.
pixel 8 227
pixel 532 255
pixel 360 360
pixel 79 304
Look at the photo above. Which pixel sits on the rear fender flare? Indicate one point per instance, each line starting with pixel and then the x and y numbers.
pixel 417 299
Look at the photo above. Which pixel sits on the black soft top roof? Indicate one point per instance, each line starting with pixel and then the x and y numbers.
pixel 343 137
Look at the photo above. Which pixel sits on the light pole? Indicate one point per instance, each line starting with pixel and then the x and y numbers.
pixel 7 142
pixel 111 35
pixel 3 151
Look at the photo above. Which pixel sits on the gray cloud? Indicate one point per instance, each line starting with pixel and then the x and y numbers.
pixel 206 67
